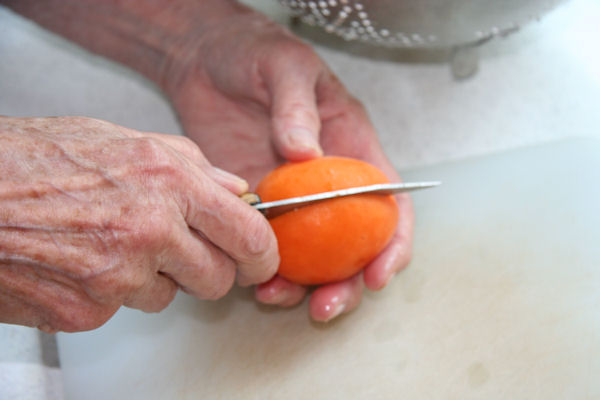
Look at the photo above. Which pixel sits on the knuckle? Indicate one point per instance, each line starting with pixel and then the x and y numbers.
pixel 297 111
pixel 86 121
pixel 189 144
pixel 95 124
pixel 156 157
pixel 303 53
pixel 151 149
pixel 78 120
pixel 164 300
pixel 298 56
pixel 152 298
pixel 218 291
pixel 220 283
pixel 258 240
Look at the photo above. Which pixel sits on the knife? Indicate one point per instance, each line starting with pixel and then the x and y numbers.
pixel 271 209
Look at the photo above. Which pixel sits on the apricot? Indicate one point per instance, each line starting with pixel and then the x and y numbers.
pixel 334 239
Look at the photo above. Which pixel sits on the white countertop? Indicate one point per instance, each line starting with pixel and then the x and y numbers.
pixel 538 85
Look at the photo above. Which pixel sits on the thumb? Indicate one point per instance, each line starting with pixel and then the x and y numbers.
pixel 294 115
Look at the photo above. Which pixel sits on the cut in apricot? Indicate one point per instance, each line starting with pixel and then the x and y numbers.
pixel 334 239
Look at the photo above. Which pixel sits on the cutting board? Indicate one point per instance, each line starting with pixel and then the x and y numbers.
pixel 501 301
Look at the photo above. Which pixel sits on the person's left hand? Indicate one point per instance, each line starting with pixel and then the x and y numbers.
pixel 253 96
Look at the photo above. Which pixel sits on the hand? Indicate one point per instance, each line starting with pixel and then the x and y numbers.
pixel 252 96
pixel 94 216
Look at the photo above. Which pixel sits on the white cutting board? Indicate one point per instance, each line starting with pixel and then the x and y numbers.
pixel 501 301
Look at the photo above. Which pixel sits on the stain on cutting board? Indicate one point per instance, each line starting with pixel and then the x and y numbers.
pixel 478 374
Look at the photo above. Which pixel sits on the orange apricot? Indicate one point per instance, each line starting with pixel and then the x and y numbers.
pixel 333 239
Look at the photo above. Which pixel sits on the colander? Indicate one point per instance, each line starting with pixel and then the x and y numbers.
pixel 418 23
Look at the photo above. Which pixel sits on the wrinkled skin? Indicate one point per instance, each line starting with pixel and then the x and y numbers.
pixel 249 93
pixel 94 216
pixel 252 96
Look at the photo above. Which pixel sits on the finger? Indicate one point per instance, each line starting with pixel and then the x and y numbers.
pixel 347 131
pixel 155 295
pixel 234 227
pixel 329 301
pixel 279 291
pixel 229 181
pixel 200 268
pixel 188 148
pixel 295 118
pixel 396 256
pixel 365 146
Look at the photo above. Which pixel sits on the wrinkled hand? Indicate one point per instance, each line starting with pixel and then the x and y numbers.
pixel 94 216
pixel 252 96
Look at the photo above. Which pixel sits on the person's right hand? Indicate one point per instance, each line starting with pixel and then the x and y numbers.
pixel 94 216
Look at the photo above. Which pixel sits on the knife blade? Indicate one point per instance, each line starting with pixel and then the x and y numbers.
pixel 271 209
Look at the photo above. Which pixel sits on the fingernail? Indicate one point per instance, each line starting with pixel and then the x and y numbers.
pixel 300 139
pixel 236 184
pixel 337 310
pixel 278 298
pixel 275 296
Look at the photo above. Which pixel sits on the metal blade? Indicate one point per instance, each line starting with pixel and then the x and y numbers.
pixel 274 208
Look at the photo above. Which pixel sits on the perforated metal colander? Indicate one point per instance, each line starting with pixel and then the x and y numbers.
pixel 418 23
